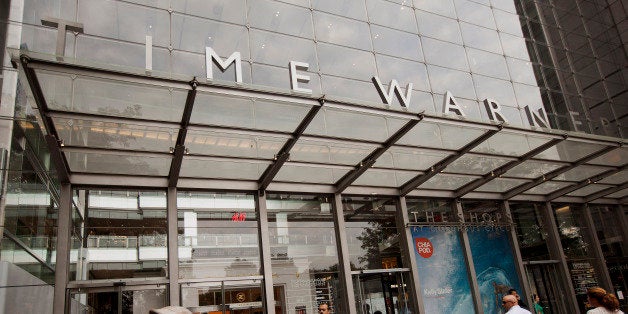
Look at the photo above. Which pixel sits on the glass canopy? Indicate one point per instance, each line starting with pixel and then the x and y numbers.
pixel 102 122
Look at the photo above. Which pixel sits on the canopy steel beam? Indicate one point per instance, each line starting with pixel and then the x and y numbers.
pixel 58 159
pixel 179 149
pixel 284 153
pixel 600 194
pixel 592 180
pixel 52 138
pixel 438 167
pixel 370 160
pixel 503 169
pixel 552 174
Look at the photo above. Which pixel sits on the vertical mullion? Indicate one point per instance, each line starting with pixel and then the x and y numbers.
pixel 62 265
pixel 343 256
pixel 466 249
pixel 514 242
pixel 407 247
pixel 173 248
pixel 600 261
pixel 264 242
pixel 557 253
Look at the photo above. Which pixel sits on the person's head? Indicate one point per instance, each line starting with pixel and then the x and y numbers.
pixel 323 308
pixel 377 312
pixel 509 301
pixel 598 297
pixel 514 292
pixel 536 298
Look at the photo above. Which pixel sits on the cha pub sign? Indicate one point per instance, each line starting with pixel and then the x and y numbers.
pixel 297 75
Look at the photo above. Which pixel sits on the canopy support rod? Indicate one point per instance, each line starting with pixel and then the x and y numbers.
pixel 592 180
pixel 179 148
pixel 284 154
pixel 552 174
pixel 600 194
pixel 503 169
pixel 370 160
pixel 438 167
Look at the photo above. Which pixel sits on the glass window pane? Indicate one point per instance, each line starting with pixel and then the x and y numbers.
pixel 499 90
pixel 570 151
pixel 353 125
pixel 475 13
pixel 447 182
pixel 282 18
pixel 589 189
pixel 217 143
pixel 217 235
pixel 500 185
pixel 532 169
pixel 444 7
pixel 342 31
pixel 428 134
pixel 617 178
pixel 489 64
pixel 415 159
pixel 221 10
pixel 217 168
pixel 125 239
pixel 112 98
pixel 404 72
pixel 270 48
pixel 116 135
pixel 480 38
pixel 445 54
pixel 193 34
pixel 393 15
pixel 521 71
pixel 547 187
pixel 507 22
pixel 303 249
pixel 530 230
pixel 354 9
pixel 385 178
pixel 510 143
pixel 396 43
pixel 441 78
pixel 342 153
pixel 468 164
pixel 310 174
pixel 346 62
pixel 437 26
pixel 616 157
pixel 372 234
pixel 580 173
pixel 111 162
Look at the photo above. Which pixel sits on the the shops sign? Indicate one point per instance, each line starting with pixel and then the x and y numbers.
pixel 298 75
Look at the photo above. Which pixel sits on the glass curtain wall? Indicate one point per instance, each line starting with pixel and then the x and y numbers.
pixel 219 254
pixel 373 239
pixel 577 245
pixel 609 229
pixel 304 253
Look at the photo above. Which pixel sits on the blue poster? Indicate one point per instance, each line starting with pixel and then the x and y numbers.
pixel 494 266
pixel 442 271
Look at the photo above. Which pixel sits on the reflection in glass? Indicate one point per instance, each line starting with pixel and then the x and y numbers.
pixel 303 250
pixel 217 235
pixel 530 230
pixel 124 235
pixel 372 234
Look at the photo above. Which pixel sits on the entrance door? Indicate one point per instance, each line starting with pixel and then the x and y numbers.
pixel 226 297
pixel 544 282
pixel 118 299
pixel 383 291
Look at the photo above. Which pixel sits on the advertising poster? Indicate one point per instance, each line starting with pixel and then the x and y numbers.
pixel 494 266
pixel 442 271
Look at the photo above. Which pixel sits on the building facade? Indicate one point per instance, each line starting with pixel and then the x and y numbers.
pixel 266 156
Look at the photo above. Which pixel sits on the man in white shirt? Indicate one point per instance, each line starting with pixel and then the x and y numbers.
pixel 509 302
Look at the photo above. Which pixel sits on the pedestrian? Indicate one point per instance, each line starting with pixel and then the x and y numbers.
pixel 513 291
pixel 538 309
pixel 509 302
pixel 603 303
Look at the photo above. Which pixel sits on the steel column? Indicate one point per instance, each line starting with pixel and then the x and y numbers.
pixel 600 261
pixel 264 243
pixel 514 242
pixel 344 266
pixel 556 252
pixel 173 248
pixel 62 264
pixel 468 256
pixel 408 256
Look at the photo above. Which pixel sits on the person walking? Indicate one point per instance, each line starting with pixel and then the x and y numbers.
pixel 510 304
pixel 603 303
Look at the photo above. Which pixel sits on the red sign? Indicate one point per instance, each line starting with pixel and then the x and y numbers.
pixel 424 247
pixel 238 217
